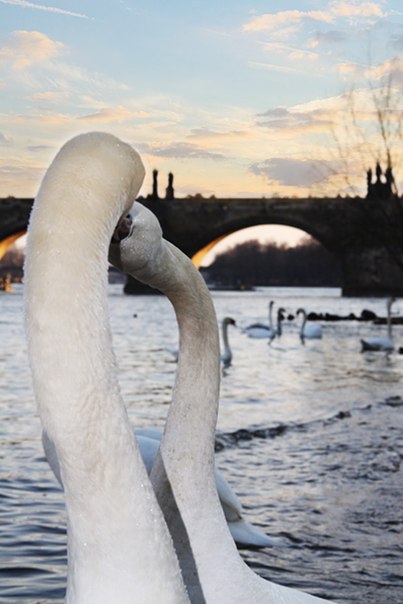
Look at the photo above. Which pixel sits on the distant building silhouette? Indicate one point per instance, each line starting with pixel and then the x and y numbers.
pixel 382 187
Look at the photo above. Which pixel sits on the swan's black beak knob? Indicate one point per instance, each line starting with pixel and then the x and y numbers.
pixel 123 229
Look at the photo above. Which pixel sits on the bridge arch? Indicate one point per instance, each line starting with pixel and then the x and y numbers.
pixel 7 242
pixel 219 232
pixel 264 234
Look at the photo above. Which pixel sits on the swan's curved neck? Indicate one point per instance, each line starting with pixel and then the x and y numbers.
pixel 389 318
pixel 183 475
pixel 115 527
pixel 224 328
pixel 279 326
pixel 303 313
pixel 271 315
pixel 65 288
pixel 193 405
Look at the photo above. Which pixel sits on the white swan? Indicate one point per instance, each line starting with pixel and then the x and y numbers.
pixel 148 440
pixel 379 343
pixel 280 319
pixel 119 548
pixel 243 533
pixel 226 355
pixel 260 330
pixel 183 474
pixel 308 331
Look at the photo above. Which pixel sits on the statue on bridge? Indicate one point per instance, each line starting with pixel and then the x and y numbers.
pixel 380 189
pixel 155 184
pixel 169 191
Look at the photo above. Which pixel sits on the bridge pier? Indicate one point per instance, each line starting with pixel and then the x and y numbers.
pixel 373 272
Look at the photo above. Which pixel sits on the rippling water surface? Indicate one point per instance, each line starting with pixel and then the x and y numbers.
pixel 310 437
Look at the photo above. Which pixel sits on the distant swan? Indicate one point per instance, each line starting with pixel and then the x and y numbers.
pixel 260 330
pixel 183 474
pixel 378 343
pixel 226 355
pixel 308 331
pixel 243 533
pixel 280 319
pixel 119 547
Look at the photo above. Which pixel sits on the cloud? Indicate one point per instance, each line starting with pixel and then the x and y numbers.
pixel 391 70
pixel 180 151
pixel 110 114
pixel 328 38
pixel 206 134
pixel 38 148
pixel 49 9
pixel 5 141
pixel 356 9
pixel 291 53
pixel 272 21
pixel 26 48
pixel 32 61
pixel 276 68
pixel 49 97
pixel 285 25
pixel 294 172
pixel 389 73
pixel 296 122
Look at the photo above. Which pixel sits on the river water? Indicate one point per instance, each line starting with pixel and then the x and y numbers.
pixel 309 436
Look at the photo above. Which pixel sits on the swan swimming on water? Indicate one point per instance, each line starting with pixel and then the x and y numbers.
pixel 381 343
pixel 226 355
pixel 119 547
pixel 243 533
pixel 260 330
pixel 280 319
pixel 308 331
pixel 213 571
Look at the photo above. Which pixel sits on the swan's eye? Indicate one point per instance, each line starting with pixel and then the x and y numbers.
pixel 123 229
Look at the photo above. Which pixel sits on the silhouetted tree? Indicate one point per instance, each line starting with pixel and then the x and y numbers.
pixel 254 263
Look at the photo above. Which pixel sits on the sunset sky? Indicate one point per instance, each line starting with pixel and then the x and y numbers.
pixel 249 98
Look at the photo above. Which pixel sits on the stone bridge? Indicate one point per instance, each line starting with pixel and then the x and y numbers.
pixel 366 235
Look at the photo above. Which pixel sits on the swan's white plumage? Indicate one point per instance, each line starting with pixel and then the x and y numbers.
pixel 226 354
pixel 260 330
pixel 148 440
pixel 308 331
pixel 243 533
pixel 183 474
pixel 119 548
pixel 381 343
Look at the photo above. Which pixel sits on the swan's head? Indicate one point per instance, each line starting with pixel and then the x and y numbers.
pixel 97 162
pixel 229 321
pixel 137 242
pixel 281 313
